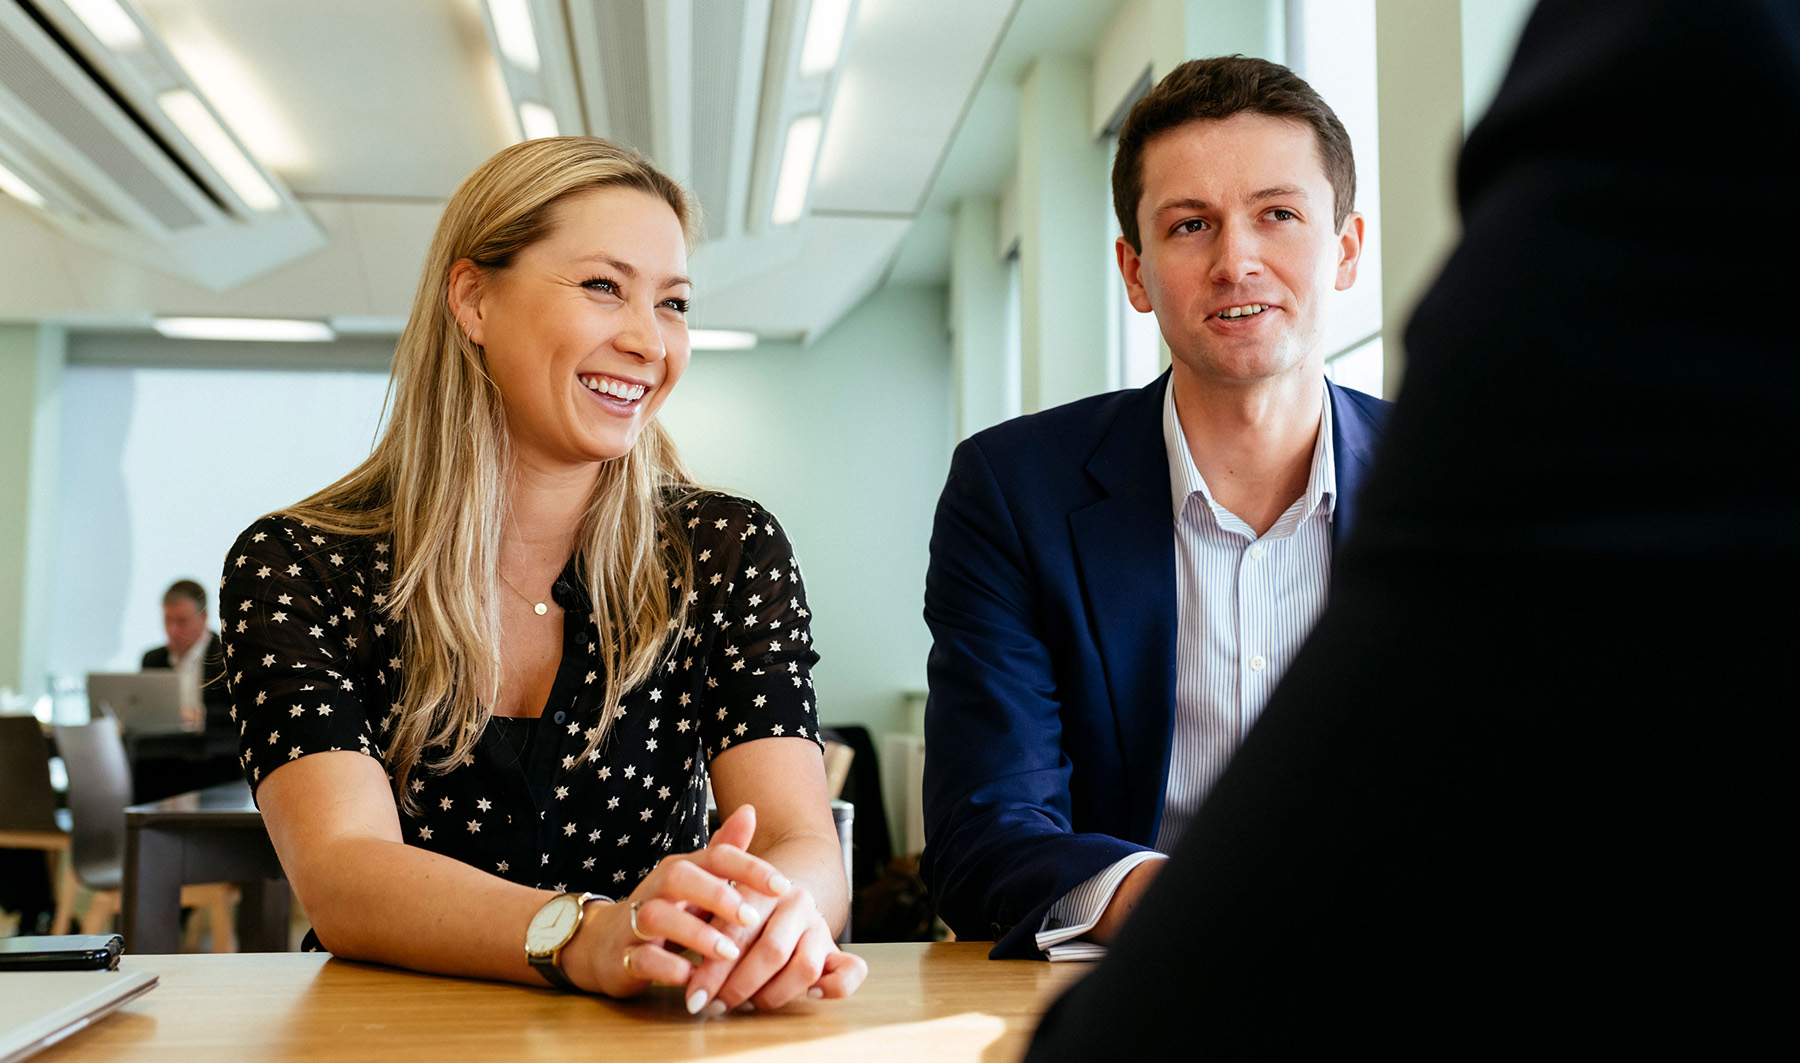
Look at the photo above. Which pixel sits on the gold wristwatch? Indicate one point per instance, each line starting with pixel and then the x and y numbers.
pixel 553 927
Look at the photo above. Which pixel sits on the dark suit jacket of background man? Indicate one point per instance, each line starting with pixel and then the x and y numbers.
pixel 212 682
pixel 1051 601
pixel 1529 787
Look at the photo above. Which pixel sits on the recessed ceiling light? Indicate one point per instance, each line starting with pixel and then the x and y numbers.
pixel 824 36
pixel 708 339
pixel 796 170
pixel 205 133
pixel 109 23
pixel 537 120
pixel 512 28
pixel 245 328
pixel 14 185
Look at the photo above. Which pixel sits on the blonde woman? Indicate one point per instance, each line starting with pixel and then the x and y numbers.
pixel 482 680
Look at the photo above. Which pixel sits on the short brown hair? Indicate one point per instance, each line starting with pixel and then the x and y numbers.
pixel 186 590
pixel 1219 88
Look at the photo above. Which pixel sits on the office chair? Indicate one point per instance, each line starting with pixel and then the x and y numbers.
pixel 99 790
pixel 29 818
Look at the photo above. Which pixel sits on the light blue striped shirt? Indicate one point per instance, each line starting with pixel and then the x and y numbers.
pixel 1244 606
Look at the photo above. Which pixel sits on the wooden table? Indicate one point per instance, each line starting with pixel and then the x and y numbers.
pixel 210 835
pixel 938 1003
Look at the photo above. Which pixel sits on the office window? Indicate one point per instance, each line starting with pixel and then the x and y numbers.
pixel 1133 338
pixel 1360 368
pixel 1015 334
pixel 1331 43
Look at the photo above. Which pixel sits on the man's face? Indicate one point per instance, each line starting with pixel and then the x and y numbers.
pixel 183 622
pixel 1239 250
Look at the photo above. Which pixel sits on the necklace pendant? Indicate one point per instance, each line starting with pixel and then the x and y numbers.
pixel 540 608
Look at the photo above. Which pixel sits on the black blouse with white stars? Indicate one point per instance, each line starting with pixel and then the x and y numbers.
pixel 313 664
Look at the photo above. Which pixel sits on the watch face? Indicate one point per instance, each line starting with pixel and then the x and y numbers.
pixel 553 925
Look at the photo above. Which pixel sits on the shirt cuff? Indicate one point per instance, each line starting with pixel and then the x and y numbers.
pixel 1079 909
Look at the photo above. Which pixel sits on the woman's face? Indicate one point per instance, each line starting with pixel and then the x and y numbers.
pixel 586 331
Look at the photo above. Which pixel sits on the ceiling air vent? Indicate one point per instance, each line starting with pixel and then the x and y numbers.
pixel 82 126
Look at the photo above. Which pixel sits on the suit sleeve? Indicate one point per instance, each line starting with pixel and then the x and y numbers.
pixel 1000 846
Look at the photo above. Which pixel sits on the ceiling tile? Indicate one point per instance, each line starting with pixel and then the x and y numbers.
pixel 911 69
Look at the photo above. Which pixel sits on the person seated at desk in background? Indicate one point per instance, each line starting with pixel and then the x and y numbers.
pixel 1116 584
pixel 485 677
pixel 163 765
pixel 196 655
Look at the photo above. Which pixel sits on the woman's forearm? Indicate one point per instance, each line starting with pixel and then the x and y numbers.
pixel 392 903
pixel 370 896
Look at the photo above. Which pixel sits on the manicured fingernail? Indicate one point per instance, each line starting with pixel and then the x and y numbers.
pixel 696 1001
pixel 716 1009
pixel 727 950
pixel 815 992
pixel 747 915
pixel 746 1006
pixel 778 884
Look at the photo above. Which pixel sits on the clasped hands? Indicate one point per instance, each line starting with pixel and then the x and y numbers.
pixel 759 937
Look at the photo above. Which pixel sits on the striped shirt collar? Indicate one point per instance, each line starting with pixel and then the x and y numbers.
pixel 1185 478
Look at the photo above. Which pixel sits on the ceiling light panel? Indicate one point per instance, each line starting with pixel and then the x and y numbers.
pixel 196 122
pixel 807 39
pixel 706 339
pixel 530 44
pixel 110 24
pixel 825 25
pixel 513 31
pixel 260 329
pixel 14 185
pixel 537 121
pixel 797 159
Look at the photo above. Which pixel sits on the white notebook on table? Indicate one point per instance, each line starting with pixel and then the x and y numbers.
pixel 40 1008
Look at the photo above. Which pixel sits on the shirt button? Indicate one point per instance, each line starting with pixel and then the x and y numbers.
pixel 1256 552
pixel 560 717
pixel 1257 663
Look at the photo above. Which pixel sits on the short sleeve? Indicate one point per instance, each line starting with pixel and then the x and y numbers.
pixel 759 678
pixel 293 615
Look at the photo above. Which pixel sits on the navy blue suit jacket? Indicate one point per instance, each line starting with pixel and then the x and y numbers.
pixel 1051 602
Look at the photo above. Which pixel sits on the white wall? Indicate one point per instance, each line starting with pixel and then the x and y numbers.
pixel 846 441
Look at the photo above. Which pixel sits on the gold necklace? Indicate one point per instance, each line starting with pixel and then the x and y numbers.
pixel 537 607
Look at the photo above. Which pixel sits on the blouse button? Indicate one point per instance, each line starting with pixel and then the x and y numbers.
pixel 560 717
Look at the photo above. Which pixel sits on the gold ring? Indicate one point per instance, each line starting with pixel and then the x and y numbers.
pixel 625 957
pixel 635 932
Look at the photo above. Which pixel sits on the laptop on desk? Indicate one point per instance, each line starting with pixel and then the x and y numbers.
pixel 142 702
pixel 40 1008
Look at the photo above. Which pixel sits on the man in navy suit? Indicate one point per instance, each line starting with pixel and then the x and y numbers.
pixel 1116 584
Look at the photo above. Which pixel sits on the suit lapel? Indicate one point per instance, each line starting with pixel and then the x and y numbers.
pixel 1125 553
pixel 1353 438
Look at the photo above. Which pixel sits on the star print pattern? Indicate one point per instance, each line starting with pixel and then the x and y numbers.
pixel 315 665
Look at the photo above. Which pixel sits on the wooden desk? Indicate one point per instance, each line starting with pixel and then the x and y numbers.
pixel 937 1003
pixel 210 835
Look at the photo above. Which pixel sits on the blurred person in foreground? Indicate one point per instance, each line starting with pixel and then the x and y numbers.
pixel 1526 786
pixel 484 679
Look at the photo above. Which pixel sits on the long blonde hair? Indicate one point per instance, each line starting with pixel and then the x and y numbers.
pixel 436 483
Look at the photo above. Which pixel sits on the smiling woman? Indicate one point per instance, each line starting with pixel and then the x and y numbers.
pixel 485 677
